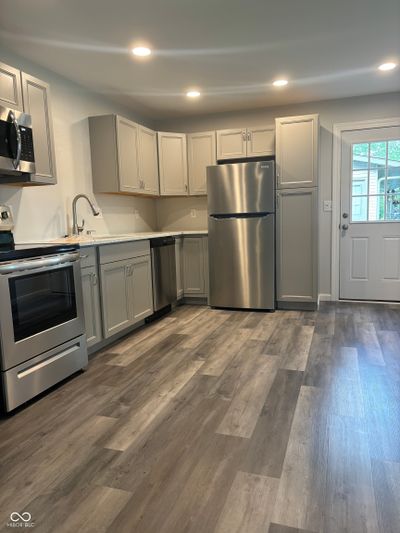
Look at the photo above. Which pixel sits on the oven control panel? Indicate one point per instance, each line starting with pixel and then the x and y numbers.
pixel 6 218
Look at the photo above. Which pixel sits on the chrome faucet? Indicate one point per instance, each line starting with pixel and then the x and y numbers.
pixel 76 229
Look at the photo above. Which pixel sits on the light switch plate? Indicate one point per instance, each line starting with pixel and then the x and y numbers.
pixel 327 205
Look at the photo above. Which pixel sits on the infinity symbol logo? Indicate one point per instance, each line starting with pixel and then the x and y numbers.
pixel 25 517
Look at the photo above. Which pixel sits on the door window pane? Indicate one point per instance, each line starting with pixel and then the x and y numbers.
pixel 359 208
pixel 376 208
pixel 376 177
pixel 393 207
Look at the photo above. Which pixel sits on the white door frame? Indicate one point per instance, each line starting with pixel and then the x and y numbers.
pixel 338 131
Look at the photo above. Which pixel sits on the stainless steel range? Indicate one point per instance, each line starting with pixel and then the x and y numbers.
pixel 42 337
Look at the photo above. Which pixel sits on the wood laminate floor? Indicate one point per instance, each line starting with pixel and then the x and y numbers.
pixel 219 421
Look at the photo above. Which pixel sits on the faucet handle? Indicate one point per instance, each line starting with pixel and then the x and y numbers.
pixel 81 228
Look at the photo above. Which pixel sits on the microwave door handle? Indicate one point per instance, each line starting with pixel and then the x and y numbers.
pixel 14 121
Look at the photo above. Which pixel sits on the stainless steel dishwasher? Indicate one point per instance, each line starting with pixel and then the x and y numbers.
pixel 163 267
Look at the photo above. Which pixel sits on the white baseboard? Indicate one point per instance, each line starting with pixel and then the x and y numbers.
pixel 324 297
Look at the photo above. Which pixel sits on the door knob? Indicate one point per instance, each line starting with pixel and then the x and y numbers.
pixel 345 227
pixel 345 215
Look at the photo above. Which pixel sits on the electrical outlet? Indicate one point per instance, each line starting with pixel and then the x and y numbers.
pixel 193 213
pixel 327 205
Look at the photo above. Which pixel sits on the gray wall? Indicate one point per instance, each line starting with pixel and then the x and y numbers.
pixel 331 112
pixel 45 212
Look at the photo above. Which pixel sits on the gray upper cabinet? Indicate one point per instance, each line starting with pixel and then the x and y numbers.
pixel 297 246
pixel 195 266
pixel 10 87
pixel 128 155
pixel 261 141
pixel 297 151
pixel 91 305
pixel 172 160
pixel 232 143
pixel 36 98
pixel 124 156
pixel 201 154
pixel 148 161
pixel 246 142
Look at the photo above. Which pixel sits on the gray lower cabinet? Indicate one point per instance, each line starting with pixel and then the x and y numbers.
pixel 297 241
pixel 116 291
pixel 179 265
pixel 142 288
pixel 126 286
pixel 91 305
pixel 195 266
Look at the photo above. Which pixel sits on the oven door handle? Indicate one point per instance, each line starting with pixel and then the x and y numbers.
pixel 14 122
pixel 35 264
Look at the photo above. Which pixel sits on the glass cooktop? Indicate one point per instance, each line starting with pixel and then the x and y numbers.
pixel 10 252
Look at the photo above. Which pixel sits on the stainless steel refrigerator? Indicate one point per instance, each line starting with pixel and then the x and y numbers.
pixel 241 235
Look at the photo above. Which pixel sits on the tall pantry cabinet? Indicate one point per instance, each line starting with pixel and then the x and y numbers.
pixel 297 211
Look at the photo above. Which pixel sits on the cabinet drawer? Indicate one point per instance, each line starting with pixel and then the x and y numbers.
pixel 88 257
pixel 123 250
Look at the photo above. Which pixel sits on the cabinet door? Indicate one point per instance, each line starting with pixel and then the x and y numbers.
pixel 193 267
pixel 205 266
pixel 148 161
pixel 297 151
pixel 127 142
pixel 202 152
pixel 116 292
pixel 173 164
pixel 260 141
pixel 91 305
pixel 179 264
pixel 297 245
pixel 10 87
pixel 36 96
pixel 142 288
pixel 231 144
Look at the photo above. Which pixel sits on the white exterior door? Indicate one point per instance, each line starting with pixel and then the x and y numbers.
pixel 370 215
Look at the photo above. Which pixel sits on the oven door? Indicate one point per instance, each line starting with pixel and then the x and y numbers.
pixel 41 306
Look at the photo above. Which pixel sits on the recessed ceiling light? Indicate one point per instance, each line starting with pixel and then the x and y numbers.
pixel 280 83
pixel 387 66
pixel 141 51
pixel 193 94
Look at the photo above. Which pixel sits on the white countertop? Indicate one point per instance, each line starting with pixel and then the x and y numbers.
pixel 97 240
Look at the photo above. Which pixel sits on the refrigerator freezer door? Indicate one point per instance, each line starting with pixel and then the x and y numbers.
pixel 241 188
pixel 241 259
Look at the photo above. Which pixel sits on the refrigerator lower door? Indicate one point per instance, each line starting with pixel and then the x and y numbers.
pixel 242 262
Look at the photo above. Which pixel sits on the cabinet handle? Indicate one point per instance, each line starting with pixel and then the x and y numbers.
pixel 244 135
pixel 94 279
pixel 186 187
pixel 248 136
pixel 129 270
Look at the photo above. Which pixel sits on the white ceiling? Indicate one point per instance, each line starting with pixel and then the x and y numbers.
pixel 230 49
